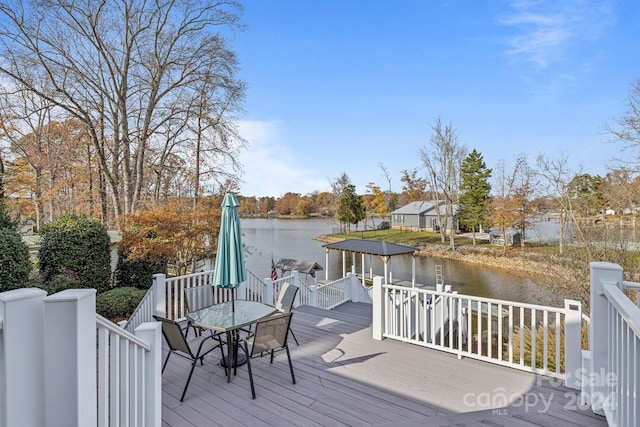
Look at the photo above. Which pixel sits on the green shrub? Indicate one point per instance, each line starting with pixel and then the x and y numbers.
pixel 77 247
pixel 6 219
pixel 119 303
pixel 137 273
pixel 15 264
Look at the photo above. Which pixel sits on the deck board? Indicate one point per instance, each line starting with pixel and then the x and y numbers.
pixel 344 377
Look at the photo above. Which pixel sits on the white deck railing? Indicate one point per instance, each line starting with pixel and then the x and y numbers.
pixel 166 295
pixel 143 313
pixel 517 335
pixel 613 386
pixel 122 376
pixel 333 294
pixel 62 365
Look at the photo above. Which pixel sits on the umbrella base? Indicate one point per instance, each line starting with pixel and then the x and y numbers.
pixel 241 359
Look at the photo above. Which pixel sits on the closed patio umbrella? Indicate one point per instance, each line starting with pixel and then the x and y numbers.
pixel 229 267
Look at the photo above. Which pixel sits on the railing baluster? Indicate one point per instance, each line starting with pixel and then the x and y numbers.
pixel 533 338
pixel 450 307
pixel 489 329
pixel 479 330
pixel 558 344
pixel 510 343
pixel 545 340
pixel 500 331
pixel 103 377
pixel 469 326
pixel 522 331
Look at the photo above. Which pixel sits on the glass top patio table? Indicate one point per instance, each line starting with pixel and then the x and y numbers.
pixel 221 318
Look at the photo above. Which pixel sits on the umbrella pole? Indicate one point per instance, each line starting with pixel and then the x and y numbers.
pixel 233 300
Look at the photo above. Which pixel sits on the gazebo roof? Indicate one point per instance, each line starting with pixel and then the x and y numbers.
pixel 307 267
pixel 372 247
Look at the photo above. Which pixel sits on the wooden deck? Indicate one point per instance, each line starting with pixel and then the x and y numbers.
pixel 344 377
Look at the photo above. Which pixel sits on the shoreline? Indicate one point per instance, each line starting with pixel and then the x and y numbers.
pixel 548 270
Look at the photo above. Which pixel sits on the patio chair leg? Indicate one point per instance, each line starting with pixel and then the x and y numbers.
pixel 293 377
pixel 253 389
pixel 294 336
pixel 165 361
pixel 193 365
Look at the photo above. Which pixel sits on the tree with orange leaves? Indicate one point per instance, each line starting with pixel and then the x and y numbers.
pixel 173 231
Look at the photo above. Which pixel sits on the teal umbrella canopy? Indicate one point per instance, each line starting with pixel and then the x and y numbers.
pixel 229 267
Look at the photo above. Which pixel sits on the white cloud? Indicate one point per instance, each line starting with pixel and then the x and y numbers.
pixel 546 29
pixel 270 167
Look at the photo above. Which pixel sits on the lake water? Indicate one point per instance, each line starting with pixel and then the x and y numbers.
pixel 285 238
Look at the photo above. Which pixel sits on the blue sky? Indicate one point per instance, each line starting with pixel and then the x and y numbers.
pixel 342 86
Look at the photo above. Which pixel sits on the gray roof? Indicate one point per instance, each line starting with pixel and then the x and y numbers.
pixel 423 208
pixel 373 247
pixel 307 267
pixel 415 208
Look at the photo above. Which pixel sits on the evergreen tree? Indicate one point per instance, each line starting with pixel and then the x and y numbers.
pixel 352 207
pixel 475 188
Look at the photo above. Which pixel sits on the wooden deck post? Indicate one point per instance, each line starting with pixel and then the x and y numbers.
pixel 378 309
pixel 22 355
pixel 70 362
pixel 600 272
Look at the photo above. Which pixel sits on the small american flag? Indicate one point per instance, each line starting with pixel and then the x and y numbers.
pixel 274 273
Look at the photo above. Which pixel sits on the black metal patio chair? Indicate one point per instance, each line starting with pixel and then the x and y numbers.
pixel 285 301
pixel 192 350
pixel 270 335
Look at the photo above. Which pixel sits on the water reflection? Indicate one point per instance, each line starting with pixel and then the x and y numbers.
pixel 296 239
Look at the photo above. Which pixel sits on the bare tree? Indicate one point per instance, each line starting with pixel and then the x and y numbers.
pixel 525 185
pixel 627 128
pixel 443 160
pixel 118 67
pixel 216 136
pixel 387 176
pixel 557 175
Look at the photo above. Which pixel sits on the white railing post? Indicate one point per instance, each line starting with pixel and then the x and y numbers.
pixel 267 297
pixel 70 358
pixel 295 278
pixel 601 272
pixel 241 292
pixel 572 343
pixel 22 398
pixel 150 332
pixel 352 287
pixel 313 295
pixel 378 308
pixel 159 295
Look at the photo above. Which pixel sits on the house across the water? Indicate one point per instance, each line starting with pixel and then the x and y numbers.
pixel 422 216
